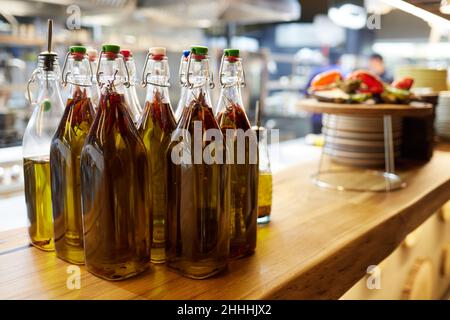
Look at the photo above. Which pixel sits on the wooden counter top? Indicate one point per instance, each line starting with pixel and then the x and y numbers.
pixel 318 245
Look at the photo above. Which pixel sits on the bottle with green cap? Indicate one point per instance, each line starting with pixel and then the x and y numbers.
pixel 234 123
pixel 65 156
pixel 115 181
pixel 47 111
pixel 197 241
pixel 155 127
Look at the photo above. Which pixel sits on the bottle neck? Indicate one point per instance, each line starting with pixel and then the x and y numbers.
pixel 112 75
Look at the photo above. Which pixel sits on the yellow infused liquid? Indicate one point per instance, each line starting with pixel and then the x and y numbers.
pixel 39 202
pixel 264 197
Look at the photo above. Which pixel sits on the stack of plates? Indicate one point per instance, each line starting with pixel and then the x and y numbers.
pixel 442 123
pixel 435 79
pixel 358 141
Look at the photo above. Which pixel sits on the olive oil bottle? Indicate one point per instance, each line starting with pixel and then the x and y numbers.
pixel 155 128
pixel 65 157
pixel 48 109
pixel 115 181
pixel 197 241
pixel 242 140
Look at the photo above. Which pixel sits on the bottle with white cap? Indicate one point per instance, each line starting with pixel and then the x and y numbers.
pixel 155 128
pixel 131 97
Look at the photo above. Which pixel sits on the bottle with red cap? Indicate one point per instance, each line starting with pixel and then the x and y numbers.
pixel 65 156
pixel 197 241
pixel 131 97
pixel 182 77
pixel 155 127
pixel 242 140
pixel 93 56
pixel 115 181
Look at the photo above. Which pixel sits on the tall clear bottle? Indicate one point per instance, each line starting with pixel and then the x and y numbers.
pixel 65 156
pixel 242 141
pixel 131 97
pixel 95 90
pixel 182 77
pixel 115 181
pixel 197 241
pixel 155 127
pixel 48 109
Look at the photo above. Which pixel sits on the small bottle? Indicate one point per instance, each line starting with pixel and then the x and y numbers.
pixel 131 97
pixel 115 181
pixel 197 241
pixel 155 127
pixel 242 140
pixel 48 109
pixel 95 90
pixel 182 76
pixel 65 156
pixel 265 174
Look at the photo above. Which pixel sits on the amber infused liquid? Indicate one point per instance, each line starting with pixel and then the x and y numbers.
pixel 198 205
pixel 66 176
pixel 39 202
pixel 155 128
pixel 115 194
pixel 244 185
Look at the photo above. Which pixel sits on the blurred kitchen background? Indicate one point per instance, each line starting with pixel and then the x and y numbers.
pixel 283 43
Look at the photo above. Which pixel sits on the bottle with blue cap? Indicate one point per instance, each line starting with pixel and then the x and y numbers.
pixel 182 77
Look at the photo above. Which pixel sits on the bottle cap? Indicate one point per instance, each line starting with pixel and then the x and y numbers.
pixel 199 50
pixel 92 54
pixel 111 48
pixel 186 53
pixel 126 53
pixel 157 51
pixel 77 49
pixel 231 53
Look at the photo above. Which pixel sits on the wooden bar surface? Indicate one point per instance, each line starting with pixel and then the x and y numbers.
pixel 318 244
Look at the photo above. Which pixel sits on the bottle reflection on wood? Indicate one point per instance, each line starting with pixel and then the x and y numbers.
pixel 114 182
pixel 236 128
pixel 39 202
pixel 65 158
pixel 155 128
pixel 198 193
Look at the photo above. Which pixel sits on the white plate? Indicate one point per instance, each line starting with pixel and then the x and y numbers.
pixel 366 136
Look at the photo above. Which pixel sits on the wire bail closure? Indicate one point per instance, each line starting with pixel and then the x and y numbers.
pixel 30 81
pixel 144 78
pixel 241 83
pixel 98 73
pixel 209 76
pixel 64 75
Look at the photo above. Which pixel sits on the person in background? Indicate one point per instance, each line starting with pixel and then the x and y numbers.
pixel 377 66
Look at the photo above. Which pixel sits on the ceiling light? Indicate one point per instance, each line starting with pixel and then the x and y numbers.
pixel 348 16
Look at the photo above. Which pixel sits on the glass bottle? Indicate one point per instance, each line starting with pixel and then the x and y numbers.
pixel 115 181
pixel 48 109
pixel 65 154
pixel 182 76
pixel 236 128
pixel 131 97
pixel 155 128
pixel 95 90
pixel 265 178
pixel 197 241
